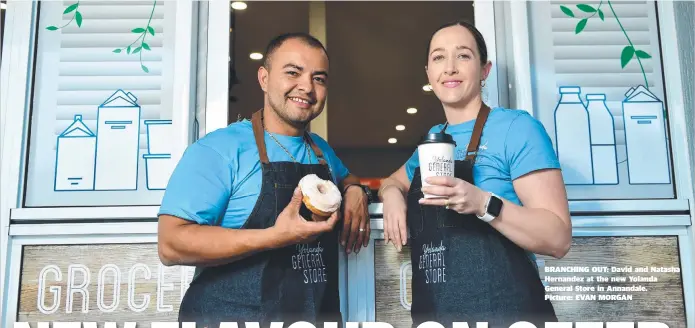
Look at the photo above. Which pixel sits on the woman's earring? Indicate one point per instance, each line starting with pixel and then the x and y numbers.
pixel 482 83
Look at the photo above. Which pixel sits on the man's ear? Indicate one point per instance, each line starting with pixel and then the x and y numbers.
pixel 263 78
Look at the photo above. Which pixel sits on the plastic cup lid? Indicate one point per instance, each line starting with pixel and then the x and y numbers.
pixel 437 138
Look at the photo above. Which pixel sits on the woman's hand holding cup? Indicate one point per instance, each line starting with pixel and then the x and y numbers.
pixel 455 194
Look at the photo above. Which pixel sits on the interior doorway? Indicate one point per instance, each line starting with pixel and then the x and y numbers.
pixel 378 105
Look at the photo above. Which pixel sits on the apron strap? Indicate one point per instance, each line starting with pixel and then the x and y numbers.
pixel 259 135
pixel 315 148
pixel 472 150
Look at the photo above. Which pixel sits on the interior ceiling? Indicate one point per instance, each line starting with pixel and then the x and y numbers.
pixel 378 53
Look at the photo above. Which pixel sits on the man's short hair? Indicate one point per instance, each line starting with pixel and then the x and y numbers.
pixel 276 42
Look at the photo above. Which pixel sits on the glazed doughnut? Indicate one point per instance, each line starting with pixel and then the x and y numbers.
pixel 321 197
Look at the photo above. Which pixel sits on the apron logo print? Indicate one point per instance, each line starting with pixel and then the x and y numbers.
pixel 432 263
pixel 309 260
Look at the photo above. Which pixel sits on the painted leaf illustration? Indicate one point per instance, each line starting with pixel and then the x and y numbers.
pixel 151 30
pixel 137 50
pixel 128 50
pixel 118 51
pixel 586 8
pixel 626 56
pixel 642 54
pixel 78 18
pixel 144 68
pixel 146 46
pixel 138 30
pixel 51 28
pixel 600 14
pixel 581 25
pixel 70 8
pixel 567 11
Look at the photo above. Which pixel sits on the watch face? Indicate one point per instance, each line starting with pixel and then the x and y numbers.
pixel 495 206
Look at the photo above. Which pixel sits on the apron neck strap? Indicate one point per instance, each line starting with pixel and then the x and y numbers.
pixel 472 150
pixel 259 136
pixel 315 148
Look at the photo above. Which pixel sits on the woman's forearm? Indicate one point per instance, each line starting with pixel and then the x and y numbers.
pixel 534 229
pixel 390 183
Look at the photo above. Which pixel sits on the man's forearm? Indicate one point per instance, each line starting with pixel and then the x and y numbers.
pixel 199 245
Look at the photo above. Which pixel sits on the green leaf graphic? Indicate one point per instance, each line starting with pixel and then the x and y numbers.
pixel 151 30
pixel 70 8
pixel 642 54
pixel 567 11
pixel 600 14
pixel 78 18
pixel 137 50
pixel 144 68
pixel 581 25
pixel 138 30
pixel 626 56
pixel 128 50
pixel 118 51
pixel 586 8
pixel 146 46
pixel 51 28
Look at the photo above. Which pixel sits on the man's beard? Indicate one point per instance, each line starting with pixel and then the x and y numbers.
pixel 281 112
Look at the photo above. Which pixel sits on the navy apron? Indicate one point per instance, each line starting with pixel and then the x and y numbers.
pixel 290 284
pixel 464 270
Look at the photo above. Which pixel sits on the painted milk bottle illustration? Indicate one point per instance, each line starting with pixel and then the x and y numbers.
pixel 603 150
pixel 573 137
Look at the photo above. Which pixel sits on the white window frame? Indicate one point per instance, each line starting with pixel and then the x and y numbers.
pixel 16 79
pixel 64 234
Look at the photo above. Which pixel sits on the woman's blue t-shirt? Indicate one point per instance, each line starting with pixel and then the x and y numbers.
pixel 513 144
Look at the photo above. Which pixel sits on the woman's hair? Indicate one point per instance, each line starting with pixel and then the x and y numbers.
pixel 479 40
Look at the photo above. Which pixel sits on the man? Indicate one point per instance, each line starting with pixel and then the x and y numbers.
pixel 232 206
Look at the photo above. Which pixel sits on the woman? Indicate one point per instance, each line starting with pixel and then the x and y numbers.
pixel 473 245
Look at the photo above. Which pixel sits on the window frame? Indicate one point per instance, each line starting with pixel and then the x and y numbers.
pixel 521 96
pixel 16 81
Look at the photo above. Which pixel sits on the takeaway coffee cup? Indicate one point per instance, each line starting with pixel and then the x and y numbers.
pixel 436 154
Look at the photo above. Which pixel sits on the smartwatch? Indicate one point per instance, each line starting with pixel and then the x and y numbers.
pixel 365 189
pixel 493 208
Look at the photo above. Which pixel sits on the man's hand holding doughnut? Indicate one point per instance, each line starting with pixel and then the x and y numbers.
pixel 323 198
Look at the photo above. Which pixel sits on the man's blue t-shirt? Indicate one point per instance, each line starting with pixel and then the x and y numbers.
pixel 218 179
pixel 513 144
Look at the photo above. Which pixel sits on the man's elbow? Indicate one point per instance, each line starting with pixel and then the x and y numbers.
pixel 167 255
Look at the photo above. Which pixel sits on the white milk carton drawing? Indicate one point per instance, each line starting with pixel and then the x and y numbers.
pixel 645 138
pixel 118 137
pixel 75 151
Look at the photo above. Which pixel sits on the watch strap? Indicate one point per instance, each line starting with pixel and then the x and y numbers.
pixel 364 188
pixel 487 217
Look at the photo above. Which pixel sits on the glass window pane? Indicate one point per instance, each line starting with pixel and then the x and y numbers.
pixel 600 94
pixel 101 106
